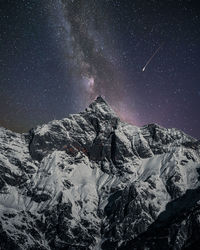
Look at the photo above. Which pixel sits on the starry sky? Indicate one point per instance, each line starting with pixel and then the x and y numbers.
pixel 56 56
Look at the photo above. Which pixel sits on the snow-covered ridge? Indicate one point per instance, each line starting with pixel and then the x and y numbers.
pixel 90 181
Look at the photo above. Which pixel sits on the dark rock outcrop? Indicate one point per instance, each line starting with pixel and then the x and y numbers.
pixel 91 181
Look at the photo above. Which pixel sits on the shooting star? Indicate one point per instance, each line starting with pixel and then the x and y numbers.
pixel 152 57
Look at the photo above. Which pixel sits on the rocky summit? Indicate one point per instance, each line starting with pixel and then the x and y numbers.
pixel 91 181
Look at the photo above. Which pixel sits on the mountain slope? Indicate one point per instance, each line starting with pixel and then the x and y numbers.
pixel 91 181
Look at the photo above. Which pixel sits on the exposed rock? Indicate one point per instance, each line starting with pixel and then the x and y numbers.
pixel 91 181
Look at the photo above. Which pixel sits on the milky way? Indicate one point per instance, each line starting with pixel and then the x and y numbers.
pixel 90 55
pixel 57 56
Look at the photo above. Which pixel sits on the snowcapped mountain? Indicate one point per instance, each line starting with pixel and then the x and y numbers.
pixel 91 181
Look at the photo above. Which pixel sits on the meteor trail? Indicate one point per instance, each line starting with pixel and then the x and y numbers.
pixel 143 69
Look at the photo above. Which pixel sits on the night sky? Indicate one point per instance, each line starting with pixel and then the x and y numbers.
pixel 57 56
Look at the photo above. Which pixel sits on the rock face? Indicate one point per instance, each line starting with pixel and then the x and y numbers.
pixel 91 181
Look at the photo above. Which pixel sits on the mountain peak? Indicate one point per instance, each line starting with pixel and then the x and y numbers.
pixel 99 100
pixel 101 108
pixel 90 176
